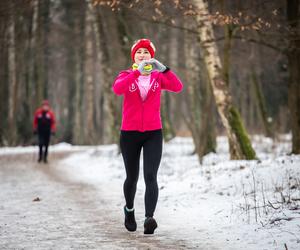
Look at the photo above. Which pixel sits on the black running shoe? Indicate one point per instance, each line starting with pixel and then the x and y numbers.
pixel 130 222
pixel 149 225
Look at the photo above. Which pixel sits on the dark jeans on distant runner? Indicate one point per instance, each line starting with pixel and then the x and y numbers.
pixel 44 139
pixel 131 143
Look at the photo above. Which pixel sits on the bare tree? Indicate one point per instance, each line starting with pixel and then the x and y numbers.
pixel 238 138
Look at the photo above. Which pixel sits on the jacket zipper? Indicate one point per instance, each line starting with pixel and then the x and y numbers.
pixel 142 116
pixel 143 101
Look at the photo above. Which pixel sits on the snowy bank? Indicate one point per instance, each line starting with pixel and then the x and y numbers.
pixel 227 204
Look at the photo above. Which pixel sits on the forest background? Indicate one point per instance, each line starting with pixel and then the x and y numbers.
pixel 70 51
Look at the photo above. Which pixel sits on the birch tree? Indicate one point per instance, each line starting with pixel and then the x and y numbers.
pixel 240 145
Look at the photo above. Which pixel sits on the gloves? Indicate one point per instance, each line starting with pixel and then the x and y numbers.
pixel 157 65
pixel 34 132
pixel 144 67
pixel 53 133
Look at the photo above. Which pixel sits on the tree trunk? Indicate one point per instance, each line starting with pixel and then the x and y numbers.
pixel 294 72
pixel 208 123
pixel 172 57
pixel 31 91
pixel 199 100
pixel 228 33
pixel 110 108
pixel 78 125
pixel 89 87
pixel 72 69
pixel 39 69
pixel 45 10
pixel 261 105
pixel 12 81
pixel 4 25
pixel 241 147
pixel 192 76
pixel 40 32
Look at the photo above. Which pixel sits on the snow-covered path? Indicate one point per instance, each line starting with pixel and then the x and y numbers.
pixel 70 215
pixel 221 204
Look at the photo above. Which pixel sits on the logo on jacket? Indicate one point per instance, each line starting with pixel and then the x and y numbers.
pixel 132 87
pixel 154 86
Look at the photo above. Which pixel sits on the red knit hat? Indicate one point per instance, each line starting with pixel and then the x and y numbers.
pixel 143 43
pixel 45 102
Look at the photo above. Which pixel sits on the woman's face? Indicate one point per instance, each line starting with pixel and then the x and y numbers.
pixel 141 54
pixel 45 107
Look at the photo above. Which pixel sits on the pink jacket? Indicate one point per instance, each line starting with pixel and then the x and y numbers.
pixel 143 115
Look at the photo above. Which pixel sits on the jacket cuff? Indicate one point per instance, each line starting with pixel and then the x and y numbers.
pixel 166 70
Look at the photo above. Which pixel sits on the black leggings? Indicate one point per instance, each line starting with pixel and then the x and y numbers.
pixel 131 143
pixel 44 139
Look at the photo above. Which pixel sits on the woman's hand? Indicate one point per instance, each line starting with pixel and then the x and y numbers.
pixel 157 65
pixel 145 70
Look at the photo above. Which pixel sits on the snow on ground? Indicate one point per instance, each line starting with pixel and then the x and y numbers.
pixel 63 146
pixel 232 204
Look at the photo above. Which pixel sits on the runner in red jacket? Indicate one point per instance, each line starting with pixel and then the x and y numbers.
pixel 141 126
pixel 44 126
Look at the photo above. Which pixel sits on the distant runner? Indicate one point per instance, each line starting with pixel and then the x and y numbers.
pixel 44 126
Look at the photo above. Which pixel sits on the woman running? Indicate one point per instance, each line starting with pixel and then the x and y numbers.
pixel 141 126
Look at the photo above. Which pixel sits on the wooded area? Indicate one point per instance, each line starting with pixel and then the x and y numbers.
pixel 239 62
